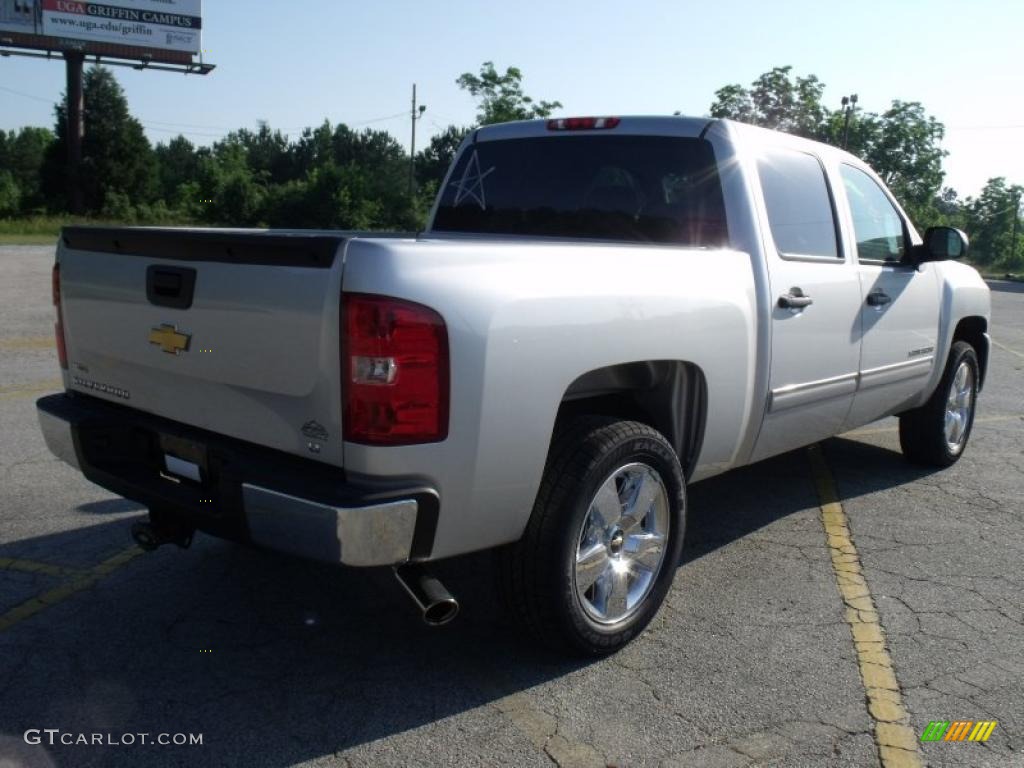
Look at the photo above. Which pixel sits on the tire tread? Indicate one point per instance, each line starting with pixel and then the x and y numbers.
pixel 922 435
pixel 522 567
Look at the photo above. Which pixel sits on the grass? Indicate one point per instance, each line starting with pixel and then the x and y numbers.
pixel 10 239
pixel 38 230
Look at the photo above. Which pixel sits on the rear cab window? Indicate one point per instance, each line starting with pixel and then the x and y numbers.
pixel 801 210
pixel 651 189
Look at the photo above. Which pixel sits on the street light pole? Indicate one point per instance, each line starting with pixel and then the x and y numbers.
pixel 849 104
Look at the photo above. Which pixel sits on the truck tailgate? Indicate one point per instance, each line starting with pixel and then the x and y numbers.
pixel 232 332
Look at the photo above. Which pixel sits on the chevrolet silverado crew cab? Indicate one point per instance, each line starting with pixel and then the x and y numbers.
pixel 600 312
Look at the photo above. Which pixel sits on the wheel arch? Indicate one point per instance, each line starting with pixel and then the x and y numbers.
pixel 974 330
pixel 667 395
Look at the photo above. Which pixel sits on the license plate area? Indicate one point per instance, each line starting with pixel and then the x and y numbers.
pixel 184 459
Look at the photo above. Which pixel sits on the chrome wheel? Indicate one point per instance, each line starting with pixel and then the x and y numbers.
pixel 959 407
pixel 621 547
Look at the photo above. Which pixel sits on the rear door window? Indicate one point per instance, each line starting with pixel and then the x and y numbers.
pixel 801 215
pixel 634 188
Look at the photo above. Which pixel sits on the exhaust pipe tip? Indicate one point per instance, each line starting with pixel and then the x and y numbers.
pixel 432 598
pixel 150 536
pixel 145 536
pixel 440 613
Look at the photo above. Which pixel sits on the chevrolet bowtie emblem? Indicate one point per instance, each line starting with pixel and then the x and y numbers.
pixel 169 339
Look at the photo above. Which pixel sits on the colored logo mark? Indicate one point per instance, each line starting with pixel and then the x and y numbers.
pixel 959 730
pixel 169 339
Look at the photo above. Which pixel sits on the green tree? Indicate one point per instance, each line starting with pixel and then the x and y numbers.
pixel 226 191
pixel 116 155
pixel 374 169
pixel 177 163
pixel 902 144
pixel 10 195
pixel 905 151
pixel 949 209
pixel 734 102
pixel 989 222
pixel 22 154
pixel 312 150
pixel 776 100
pixel 267 152
pixel 432 163
pixel 500 97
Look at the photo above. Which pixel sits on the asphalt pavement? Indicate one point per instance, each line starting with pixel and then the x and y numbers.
pixel 757 657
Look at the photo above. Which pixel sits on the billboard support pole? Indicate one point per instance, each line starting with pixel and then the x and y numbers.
pixel 75 129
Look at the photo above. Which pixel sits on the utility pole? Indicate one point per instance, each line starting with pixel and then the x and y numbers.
pixel 849 104
pixel 416 114
pixel 1013 237
pixel 75 128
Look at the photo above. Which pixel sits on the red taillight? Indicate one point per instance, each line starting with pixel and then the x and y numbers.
pixel 582 123
pixel 58 328
pixel 394 371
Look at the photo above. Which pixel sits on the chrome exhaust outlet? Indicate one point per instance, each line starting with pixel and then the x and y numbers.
pixel 434 601
pixel 149 534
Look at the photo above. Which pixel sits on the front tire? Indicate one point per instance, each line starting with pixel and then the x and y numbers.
pixel 604 539
pixel 936 434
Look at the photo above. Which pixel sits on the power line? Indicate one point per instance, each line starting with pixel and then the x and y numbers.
pixel 403 113
pixel 157 125
pixel 27 95
pixel 184 133
pixel 190 125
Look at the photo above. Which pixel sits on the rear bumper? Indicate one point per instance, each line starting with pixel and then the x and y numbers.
pixel 248 493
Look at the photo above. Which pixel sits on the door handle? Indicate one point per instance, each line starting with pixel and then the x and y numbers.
pixel 168 286
pixel 878 299
pixel 795 299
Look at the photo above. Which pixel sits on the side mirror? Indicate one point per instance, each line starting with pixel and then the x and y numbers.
pixel 942 243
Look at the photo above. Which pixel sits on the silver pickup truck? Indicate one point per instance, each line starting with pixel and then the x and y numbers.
pixel 601 311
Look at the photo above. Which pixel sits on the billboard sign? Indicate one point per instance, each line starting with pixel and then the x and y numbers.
pixel 168 25
pixel 19 16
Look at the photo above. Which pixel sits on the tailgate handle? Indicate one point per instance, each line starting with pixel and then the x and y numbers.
pixel 170 286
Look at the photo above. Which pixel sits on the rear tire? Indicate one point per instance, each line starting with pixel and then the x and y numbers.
pixel 936 434
pixel 603 542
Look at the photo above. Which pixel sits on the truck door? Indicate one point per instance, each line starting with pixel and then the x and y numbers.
pixel 815 318
pixel 900 307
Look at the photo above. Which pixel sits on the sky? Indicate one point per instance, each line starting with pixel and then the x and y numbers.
pixel 296 63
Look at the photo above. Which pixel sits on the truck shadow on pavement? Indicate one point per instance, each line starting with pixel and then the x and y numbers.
pixel 277 661
pixel 734 505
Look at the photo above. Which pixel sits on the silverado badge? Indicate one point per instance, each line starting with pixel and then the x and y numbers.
pixel 170 339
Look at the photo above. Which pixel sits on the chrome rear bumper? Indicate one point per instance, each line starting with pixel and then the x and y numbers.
pixel 379 534
pixel 256 495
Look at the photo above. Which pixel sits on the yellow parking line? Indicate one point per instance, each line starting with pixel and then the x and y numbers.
pixel 27 342
pixel 977 420
pixel 897 743
pixel 10 393
pixel 1007 349
pixel 34 566
pixel 59 594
